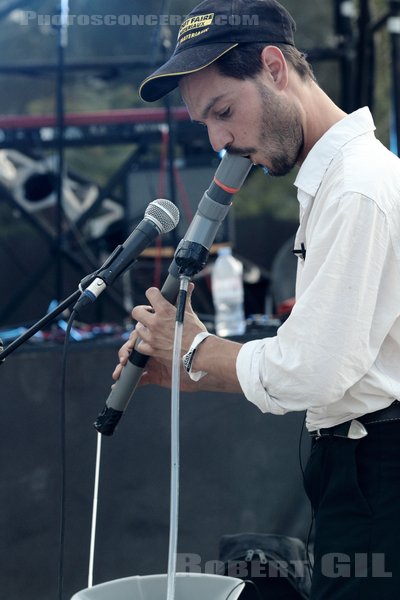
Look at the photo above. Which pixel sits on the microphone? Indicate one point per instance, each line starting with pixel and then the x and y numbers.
pixel 161 216
pixel 212 210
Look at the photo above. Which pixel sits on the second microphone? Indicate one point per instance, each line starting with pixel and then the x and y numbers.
pixel 161 216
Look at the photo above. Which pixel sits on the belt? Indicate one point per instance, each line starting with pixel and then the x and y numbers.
pixel 355 429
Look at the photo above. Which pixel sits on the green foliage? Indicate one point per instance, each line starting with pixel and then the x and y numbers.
pixel 268 195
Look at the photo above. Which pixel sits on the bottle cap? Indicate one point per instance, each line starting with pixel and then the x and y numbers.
pixel 224 250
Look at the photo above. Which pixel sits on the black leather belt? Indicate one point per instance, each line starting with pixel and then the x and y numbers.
pixel 355 429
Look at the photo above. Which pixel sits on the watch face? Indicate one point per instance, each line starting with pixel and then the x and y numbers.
pixel 187 360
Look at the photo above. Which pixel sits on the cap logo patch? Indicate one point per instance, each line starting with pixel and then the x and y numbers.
pixel 192 23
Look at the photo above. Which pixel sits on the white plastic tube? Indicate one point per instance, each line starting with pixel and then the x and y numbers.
pixel 174 491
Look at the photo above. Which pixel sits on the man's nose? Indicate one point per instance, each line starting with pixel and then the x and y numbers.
pixel 219 138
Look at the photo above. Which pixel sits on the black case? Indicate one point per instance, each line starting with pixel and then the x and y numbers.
pixel 275 567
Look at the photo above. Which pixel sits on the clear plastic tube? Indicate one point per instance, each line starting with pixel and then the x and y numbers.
pixel 174 492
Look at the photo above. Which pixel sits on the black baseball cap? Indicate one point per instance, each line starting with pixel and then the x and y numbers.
pixel 213 28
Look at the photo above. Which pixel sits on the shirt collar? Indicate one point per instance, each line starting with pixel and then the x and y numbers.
pixel 322 153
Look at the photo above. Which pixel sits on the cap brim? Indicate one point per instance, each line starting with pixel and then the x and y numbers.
pixel 190 60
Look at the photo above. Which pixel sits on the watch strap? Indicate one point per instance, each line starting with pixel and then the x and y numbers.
pixel 188 358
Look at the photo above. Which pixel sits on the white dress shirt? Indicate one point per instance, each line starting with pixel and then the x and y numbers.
pixel 338 354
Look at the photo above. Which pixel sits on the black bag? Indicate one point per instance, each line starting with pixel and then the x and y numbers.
pixel 275 567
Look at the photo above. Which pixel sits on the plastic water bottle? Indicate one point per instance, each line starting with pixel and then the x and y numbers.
pixel 227 293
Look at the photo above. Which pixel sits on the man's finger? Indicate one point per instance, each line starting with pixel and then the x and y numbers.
pixel 156 299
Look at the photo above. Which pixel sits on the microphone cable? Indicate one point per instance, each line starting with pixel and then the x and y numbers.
pixel 63 472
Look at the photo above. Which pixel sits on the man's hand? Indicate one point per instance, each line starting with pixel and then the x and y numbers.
pixel 156 325
pixel 154 337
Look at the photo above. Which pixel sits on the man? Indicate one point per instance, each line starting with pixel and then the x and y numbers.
pixel 338 354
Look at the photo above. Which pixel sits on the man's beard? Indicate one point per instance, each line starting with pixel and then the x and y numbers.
pixel 281 133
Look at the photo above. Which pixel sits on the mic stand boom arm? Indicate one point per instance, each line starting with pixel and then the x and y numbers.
pixel 45 320
pixel 86 281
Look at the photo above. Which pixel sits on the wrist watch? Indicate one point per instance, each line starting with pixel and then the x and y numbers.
pixel 188 358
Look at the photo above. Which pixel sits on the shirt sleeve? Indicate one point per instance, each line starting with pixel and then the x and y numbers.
pixel 336 328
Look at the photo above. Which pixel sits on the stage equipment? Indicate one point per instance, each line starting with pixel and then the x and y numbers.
pixel 366 62
pixel 117 126
pixel 394 32
pixel 345 18
pixel 365 70
pixel 33 185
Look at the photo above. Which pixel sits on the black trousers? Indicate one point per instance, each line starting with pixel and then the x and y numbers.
pixel 354 488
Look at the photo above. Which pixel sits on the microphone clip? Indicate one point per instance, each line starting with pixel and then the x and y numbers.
pixel 191 258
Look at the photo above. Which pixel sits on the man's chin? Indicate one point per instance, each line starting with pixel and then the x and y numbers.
pixel 281 168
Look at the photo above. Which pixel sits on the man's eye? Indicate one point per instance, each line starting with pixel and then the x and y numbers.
pixel 225 113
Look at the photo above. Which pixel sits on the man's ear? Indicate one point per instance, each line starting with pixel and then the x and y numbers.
pixel 276 66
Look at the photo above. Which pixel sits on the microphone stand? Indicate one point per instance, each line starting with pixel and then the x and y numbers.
pixel 347 51
pixel 62 45
pixel 391 19
pixel 394 32
pixel 364 88
pixel 165 42
pixel 115 264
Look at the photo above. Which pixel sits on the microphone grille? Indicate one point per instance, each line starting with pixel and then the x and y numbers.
pixel 164 214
